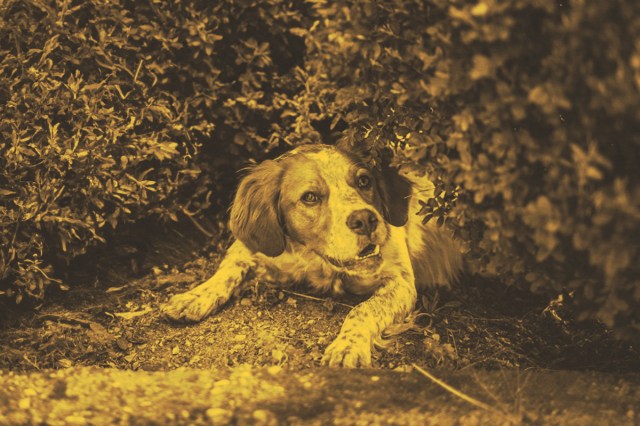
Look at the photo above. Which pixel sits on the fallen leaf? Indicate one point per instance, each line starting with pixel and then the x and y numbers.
pixel 98 334
pixel 123 343
pixel 65 363
pixel 134 314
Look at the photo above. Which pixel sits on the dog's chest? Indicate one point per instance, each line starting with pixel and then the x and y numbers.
pixel 295 268
pixel 314 272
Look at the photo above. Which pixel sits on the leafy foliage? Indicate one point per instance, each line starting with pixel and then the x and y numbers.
pixel 523 112
pixel 107 106
pixel 530 107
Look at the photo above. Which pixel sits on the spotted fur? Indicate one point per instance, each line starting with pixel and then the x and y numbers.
pixel 283 238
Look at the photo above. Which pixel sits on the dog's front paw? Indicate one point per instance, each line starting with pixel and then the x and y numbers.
pixel 348 350
pixel 192 305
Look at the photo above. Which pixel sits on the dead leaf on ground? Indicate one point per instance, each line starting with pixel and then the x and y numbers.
pixel 134 314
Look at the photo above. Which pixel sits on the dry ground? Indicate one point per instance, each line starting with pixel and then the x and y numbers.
pixel 111 318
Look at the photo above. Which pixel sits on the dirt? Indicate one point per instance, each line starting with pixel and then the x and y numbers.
pixel 110 318
pixel 267 396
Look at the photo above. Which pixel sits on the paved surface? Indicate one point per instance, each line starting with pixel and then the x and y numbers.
pixel 246 395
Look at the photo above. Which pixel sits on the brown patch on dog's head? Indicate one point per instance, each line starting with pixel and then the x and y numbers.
pixel 394 189
pixel 255 217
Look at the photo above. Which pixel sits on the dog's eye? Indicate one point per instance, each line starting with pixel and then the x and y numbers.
pixel 364 182
pixel 310 197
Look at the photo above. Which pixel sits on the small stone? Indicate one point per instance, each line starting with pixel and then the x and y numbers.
pixel 24 403
pixel 175 350
pixel 292 302
pixel 219 415
pixel 75 420
pixel 65 363
pixel 122 343
pixel 278 355
pixel 480 9
pixel 403 368
pixel 274 369
pixel 264 417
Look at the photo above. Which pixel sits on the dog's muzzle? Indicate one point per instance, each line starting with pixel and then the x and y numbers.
pixel 362 222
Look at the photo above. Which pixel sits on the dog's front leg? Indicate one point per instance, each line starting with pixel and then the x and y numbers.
pixel 199 302
pixel 391 303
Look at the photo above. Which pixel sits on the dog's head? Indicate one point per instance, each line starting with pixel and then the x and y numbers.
pixel 325 199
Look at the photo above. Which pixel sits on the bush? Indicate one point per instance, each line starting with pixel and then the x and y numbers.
pixel 107 107
pixel 523 112
pixel 528 111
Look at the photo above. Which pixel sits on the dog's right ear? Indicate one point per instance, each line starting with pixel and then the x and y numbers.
pixel 255 218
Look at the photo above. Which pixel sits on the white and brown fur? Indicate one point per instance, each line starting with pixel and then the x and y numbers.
pixel 284 239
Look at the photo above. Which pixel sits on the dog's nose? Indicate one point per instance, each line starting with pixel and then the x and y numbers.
pixel 362 222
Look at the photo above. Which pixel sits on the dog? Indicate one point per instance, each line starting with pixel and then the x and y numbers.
pixel 318 215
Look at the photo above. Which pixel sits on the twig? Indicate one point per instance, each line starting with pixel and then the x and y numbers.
pixel 458 393
pixel 135 77
pixel 455 346
pixel 457 316
pixel 196 223
pixel 66 319
pixel 32 363
pixel 306 296
pixel 486 389
pixel 55 280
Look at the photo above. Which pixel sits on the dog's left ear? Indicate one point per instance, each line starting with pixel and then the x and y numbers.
pixel 396 195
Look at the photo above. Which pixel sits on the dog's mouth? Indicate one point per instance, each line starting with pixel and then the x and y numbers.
pixel 370 250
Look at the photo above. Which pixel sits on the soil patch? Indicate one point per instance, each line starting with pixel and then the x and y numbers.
pixel 111 318
pixel 270 396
